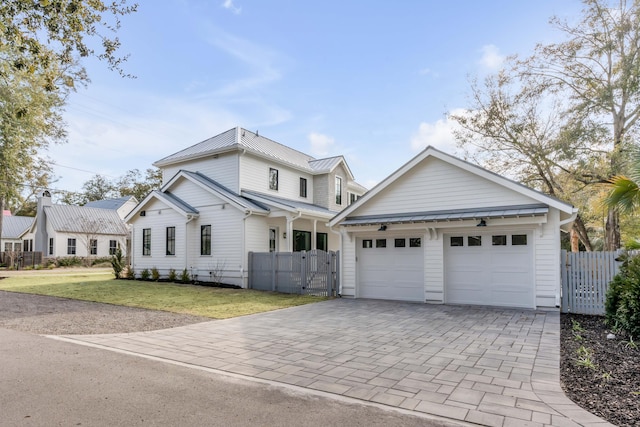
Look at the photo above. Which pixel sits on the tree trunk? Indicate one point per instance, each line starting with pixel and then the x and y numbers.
pixel 612 231
pixel 581 231
pixel 575 240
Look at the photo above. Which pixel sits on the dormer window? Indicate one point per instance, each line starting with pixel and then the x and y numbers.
pixel 338 190
pixel 273 179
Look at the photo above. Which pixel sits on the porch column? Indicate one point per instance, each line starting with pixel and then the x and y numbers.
pixel 314 243
pixel 289 234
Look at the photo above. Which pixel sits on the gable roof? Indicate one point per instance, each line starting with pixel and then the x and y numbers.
pixel 243 139
pixel 13 227
pixel 567 210
pixel 288 204
pixel 168 199
pixel 82 219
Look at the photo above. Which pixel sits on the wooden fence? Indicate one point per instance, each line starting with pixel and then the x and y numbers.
pixel 21 259
pixel 585 280
pixel 305 273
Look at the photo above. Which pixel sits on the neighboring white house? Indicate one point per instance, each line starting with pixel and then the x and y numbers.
pixel 441 230
pixel 82 231
pixel 234 193
pixel 14 229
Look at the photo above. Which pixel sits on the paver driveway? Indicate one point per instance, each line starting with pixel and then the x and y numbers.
pixel 489 366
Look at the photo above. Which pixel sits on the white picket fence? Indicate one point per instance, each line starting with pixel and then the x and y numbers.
pixel 585 280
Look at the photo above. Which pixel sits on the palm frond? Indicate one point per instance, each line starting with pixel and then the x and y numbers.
pixel 624 194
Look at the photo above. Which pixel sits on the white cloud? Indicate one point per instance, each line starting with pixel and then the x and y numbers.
pixel 438 134
pixel 320 144
pixel 491 58
pixel 228 4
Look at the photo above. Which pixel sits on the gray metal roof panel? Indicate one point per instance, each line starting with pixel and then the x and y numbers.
pixel 242 201
pixel 170 198
pixel 454 214
pixel 109 203
pixel 82 219
pixel 293 204
pixel 215 143
pixel 325 165
pixel 13 227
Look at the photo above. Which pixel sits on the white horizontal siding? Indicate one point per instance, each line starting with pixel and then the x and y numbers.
pixel 348 266
pixel 547 261
pixel 255 177
pixel 436 185
pixel 223 170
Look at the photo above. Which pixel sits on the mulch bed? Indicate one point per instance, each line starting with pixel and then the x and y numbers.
pixel 599 374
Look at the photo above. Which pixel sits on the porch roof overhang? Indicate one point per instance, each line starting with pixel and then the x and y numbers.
pixel 293 206
pixel 448 216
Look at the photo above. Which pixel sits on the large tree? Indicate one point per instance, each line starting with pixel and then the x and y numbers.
pixel 597 69
pixel 42 44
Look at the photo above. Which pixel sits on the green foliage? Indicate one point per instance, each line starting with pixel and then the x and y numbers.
pixel 622 304
pixel 145 274
pixel 117 263
pixel 185 277
pixel 131 274
pixel 72 261
pixel 155 274
pixel 585 358
pixel 172 275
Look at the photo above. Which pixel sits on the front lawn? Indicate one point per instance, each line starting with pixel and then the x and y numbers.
pixel 216 303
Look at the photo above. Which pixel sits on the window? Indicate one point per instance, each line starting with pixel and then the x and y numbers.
pixel 273 239
pixel 7 247
pixel 71 246
pixel 17 247
pixel 171 241
pixel 322 241
pixel 500 240
pixel 113 247
pixel 474 241
pixel 205 240
pixel 93 246
pixel 366 244
pixel 338 190
pixel 50 245
pixel 28 245
pixel 301 240
pixel 146 241
pixel 381 243
pixel 519 240
pixel 415 242
pixel 352 197
pixel 400 243
pixel 457 241
pixel 273 179
pixel 303 187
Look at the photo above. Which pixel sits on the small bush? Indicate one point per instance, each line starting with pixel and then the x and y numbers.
pixel 185 277
pixel 71 261
pixel 155 274
pixel 622 304
pixel 172 275
pixel 117 263
pixel 145 274
pixel 131 274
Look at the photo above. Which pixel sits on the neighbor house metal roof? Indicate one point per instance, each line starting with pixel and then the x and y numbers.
pixel 82 219
pixel 450 215
pixel 109 203
pixel 13 227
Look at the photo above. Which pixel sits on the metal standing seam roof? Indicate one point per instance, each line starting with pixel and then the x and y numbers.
pixel 13 227
pixel 238 199
pixel 171 199
pixel 293 204
pixel 255 143
pixel 82 219
pixel 109 203
pixel 450 215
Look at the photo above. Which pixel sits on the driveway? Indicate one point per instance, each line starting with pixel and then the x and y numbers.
pixel 489 366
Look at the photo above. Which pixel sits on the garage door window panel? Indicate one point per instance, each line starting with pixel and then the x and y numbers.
pixel 381 243
pixel 400 243
pixel 499 240
pixel 367 244
pixel 415 242
pixel 457 241
pixel 474 240
pixel 519 240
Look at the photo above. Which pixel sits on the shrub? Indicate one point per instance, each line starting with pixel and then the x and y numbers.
pixel 69 261
pixel 117 262
pixel 145 274
pixel 622 305
pixel 155 274
pixel 172 275
pixel 131 274
pixel 185 277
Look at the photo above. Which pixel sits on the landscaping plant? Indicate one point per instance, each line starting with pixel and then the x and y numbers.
pixel 622 305
pixel 117 262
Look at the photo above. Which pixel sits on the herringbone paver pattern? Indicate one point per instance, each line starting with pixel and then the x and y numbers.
pixel 490 366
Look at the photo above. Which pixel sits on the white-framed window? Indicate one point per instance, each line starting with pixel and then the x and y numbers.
pixel 50 245
pixel 93 246
pixel 71 246
pixel 205 240
pixel 273 239
pixel 303 187
pixel 171 241
pixel 338 190
pixel 146 241
pixel 113 247
pixel 273 179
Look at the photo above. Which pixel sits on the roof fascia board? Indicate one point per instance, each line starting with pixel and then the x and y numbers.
pixel 155 195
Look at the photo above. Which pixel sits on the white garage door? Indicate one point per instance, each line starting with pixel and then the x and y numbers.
pixel 489 269
pixel 391 268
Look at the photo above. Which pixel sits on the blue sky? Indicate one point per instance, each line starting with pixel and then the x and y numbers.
pixel 371 80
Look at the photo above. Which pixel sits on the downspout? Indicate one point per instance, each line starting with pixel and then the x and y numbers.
pixel 243 255
pixel 340 260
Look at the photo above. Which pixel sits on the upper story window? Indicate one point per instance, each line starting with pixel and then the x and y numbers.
pixel 146 241
pixel 303 187
pixel 352 197
pixel 338 190
pixel 273 179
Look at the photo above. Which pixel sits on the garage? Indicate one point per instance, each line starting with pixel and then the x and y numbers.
pixel 391 268
pixel 489 269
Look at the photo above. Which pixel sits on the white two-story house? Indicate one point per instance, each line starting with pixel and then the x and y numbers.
pixel 235 193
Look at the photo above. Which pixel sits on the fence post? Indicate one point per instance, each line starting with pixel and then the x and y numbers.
pixel 274 268
pixel 564 286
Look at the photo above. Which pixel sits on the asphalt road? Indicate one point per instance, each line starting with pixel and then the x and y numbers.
pixel 45 382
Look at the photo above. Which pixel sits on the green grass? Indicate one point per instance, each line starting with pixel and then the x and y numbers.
pixel 217 303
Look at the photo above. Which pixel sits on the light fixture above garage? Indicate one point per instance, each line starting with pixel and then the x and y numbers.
pixel 382 227
pixel 482 223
